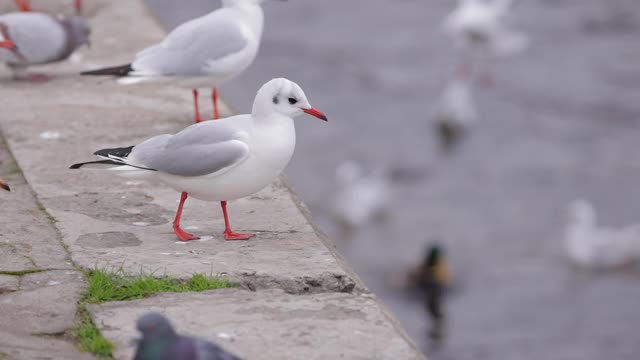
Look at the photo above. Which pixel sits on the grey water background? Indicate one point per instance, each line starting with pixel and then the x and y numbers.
pixel 561 122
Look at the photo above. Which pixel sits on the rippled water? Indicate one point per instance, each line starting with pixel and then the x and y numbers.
pixel 561 122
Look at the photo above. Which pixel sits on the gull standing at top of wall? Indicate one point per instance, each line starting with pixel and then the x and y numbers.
pixel 203 52
pixel 220 160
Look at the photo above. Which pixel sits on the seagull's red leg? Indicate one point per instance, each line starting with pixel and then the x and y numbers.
pixel 228 233
pixel 216 115
pixel 181 234
pixel 7 44
pixel 23 5
pixel 195 102
pixel 78 5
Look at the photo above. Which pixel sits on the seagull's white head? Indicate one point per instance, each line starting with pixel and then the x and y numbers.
pixel 582 213
pixel 284 97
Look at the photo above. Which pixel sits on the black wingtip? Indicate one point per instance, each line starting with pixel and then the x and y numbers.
pixel 100 162
pixel 122 70
pixel 5 186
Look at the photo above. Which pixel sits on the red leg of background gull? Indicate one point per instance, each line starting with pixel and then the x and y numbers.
pixel 23 5
pixel 228 233
pixel 78 4
pixel 181 234
pixel 195 102
pixel 7 44
pixel 216 115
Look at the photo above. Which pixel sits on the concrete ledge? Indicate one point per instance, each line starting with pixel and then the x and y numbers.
pixel 107 221
pixel 269 324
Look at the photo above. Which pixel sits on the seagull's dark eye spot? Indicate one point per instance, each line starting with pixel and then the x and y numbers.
pixel 293 101
pixel 275 100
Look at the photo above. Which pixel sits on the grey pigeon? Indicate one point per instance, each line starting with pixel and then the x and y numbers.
pixel 40 38
pixel 161 342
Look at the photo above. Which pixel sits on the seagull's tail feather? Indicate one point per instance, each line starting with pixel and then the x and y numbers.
pixel 119 153
pixel 122 70
pixel 115 159
pixel 109 163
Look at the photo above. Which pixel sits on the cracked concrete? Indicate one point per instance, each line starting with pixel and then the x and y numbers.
pixel 269 324
pixel 42 302
pixel 318 306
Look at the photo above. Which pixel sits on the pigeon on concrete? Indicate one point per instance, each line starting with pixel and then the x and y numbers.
pixel 203 52
pixel 36 38
pixel 4 185
pixel 161 342
pixel 220 160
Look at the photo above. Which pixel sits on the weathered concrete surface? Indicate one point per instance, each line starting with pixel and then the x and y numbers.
pixel 269 324
pixel 45 304
pixel 42 303
pixel 110 221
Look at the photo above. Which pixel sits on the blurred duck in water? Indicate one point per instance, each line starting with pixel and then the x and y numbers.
pixel 433 278
pixel 590 246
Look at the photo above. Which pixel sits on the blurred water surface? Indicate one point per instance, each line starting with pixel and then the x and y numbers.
pixel 561 122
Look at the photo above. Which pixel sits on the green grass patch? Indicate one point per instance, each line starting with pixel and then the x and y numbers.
pixel 117 286
pixel 89 337
pixel 105 285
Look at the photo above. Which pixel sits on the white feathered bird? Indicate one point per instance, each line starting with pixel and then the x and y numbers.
pixel 34 38
pixel 456 111
pixel 203 52
pixel 480 24
pixel 360 198
pixel 588 245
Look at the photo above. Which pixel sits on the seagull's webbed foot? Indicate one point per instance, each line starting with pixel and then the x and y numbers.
pixel 33 77
pixel 230 235
pixel 183 235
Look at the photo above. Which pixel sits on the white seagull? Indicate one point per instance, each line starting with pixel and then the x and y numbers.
pixel 33 38
pixel 591 246
pixel 360 198
pixel 203 52
pixel 221 160
pixel 480 24
pixel 456 111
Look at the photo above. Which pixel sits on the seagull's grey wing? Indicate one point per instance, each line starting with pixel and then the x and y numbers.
pixel 198 150
pixel 192 47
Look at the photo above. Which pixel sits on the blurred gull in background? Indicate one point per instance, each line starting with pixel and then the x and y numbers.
pixel 455 114
pixel 361 199
pixel 39 38
pixel 480 24
pixel 204 52
pixel 596 247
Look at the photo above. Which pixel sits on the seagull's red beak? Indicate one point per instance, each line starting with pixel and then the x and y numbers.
pixel 315 112
pixel 4 185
